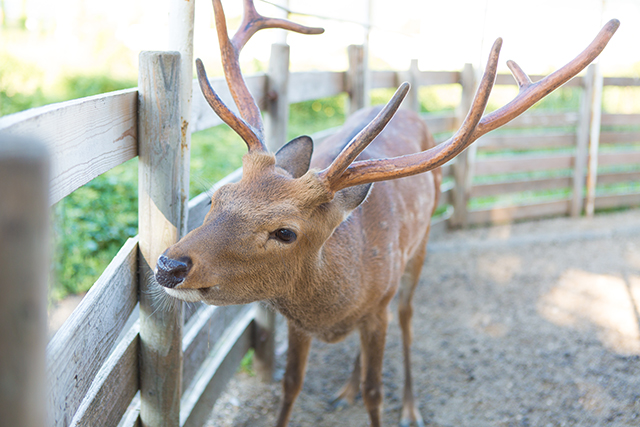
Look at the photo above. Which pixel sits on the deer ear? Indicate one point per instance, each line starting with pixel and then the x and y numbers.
pixel 351 197
pixel 295 156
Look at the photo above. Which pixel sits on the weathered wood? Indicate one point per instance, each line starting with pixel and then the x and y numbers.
pixel 501 215
pixel 203 117
pixel 384 79
pixel 264 343
pixel 619 158
pixel 498 142
pixel 216 371
pixel 181 22
pixel 617 201
pixel 534 119
pixel 86 137
pixel 355 78
pixel 594 140
pixel 507 79
pixel 412 101
pixel 114 387
pixel 433 78
pixel 158 217
pixel 620 119
pixel 582 143
pixel 440 122
pixel 276 114
pixel 24 258
pixel 494 189
pixel 462 168
pixel 619 137
pixel 529 163
pixel 618 177
pixel 131 417
pixel 310 85
pixel 201 334
pixel 78 350
pixel 621 81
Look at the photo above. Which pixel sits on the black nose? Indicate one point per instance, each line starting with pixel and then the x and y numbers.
pixel 171 272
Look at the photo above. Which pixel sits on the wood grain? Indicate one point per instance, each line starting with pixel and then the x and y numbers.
pixel 78 350
pixel 86 137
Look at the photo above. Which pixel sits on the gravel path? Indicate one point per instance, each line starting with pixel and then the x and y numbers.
pixel 532 324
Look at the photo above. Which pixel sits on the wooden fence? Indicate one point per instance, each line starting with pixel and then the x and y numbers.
pixel 107 366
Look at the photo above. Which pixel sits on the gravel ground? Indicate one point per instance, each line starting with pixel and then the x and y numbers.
pixel 532 324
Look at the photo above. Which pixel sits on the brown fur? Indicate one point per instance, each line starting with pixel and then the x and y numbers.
pixel 343 269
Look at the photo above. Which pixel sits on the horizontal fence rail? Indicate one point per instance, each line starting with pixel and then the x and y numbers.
pixel 93 361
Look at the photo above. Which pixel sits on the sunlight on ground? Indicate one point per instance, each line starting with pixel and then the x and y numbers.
pixel 608 302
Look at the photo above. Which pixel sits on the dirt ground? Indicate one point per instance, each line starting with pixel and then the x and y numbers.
pixel 532 324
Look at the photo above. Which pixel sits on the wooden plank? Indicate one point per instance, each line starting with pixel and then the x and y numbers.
pixel 501 215
pixel 384 79
pixel 216 371
pixel 619 137
pixel 131 417
pixel 620 119
pixel 533 119
pixel 507 79
pixel 503 165
pixel 159 213
pixel 201 334
pixel 619 158
pixel 412 101
pixel 80 347
pixel 526 141
pixel 617 201
pixel 276 115
pixel 203 117
pixel 311 85
pixel 494 189
pixel 114 387
pixel 433 78
pixel 86 137
pixel 24 247
pixel 618 177
pixel 621 81
pixel 440 122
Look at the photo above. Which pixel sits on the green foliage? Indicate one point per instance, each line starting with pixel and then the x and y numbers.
pixel 246 364
pixel 79 86
pixel 20 87
pixel 306 118
pixel 90 226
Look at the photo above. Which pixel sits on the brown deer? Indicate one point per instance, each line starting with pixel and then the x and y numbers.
pixel 312 237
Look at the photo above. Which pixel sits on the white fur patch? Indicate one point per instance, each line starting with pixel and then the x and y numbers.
pixel 188 295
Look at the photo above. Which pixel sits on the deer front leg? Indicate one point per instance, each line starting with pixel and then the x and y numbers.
pixel 373 333
pixel 297 355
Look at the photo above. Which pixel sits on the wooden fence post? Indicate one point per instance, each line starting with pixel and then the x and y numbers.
pixel 355 84
pixel 277 112
pixel 594 140
pixel 582 143
pixel 24 266
pixel 181 20
pixel 160 212
pixel 463 165
pixel 412 101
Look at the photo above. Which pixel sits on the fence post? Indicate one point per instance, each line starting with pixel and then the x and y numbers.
pixel 24 263
pixel 412 101
pixel 181 20
pixel 463 165
pixel 594 140
pixel 159 213
pixel 277 112
pixel 582 142
pixel 356 80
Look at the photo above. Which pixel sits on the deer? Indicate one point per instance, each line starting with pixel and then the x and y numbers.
pixel 306 232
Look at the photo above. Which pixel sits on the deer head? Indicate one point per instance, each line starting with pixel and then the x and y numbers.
pixel 264 234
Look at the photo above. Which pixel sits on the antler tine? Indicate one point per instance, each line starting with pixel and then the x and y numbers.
pixel 379 170
pixel 364 137
pixel 250 126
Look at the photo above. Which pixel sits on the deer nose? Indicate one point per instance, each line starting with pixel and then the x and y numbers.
pixel 172 272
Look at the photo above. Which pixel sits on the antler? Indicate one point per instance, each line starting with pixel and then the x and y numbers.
pixel 474 125
pixel 249 126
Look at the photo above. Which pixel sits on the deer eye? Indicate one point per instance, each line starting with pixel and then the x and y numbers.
pixel 284 235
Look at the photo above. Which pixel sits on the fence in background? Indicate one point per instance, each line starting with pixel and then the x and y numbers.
pixel 107 367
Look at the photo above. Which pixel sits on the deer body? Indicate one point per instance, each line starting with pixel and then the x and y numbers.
pixel 313 237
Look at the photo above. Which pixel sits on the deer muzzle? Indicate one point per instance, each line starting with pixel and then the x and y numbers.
pixel 170 273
